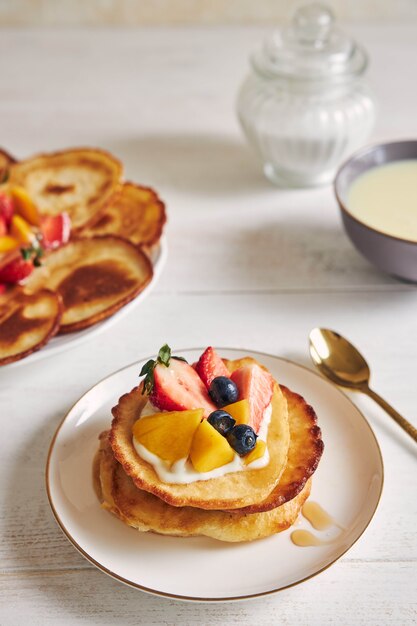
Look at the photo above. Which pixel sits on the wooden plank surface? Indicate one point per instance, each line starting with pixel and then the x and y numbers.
pixel 249 266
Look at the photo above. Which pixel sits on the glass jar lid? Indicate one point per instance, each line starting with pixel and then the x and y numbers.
pixel 311 48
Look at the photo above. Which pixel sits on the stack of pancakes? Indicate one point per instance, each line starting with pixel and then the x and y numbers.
pixel 116 227
pixel 240 506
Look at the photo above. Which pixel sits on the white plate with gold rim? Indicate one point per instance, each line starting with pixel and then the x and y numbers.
pixel 60 343
pixel 199 568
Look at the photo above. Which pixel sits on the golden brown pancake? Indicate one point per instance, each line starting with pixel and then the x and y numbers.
pixel 6 160
pixel 95 277
pixel 232 491
pixel 146 512
pixel 304 454
pixel 27 322
pixel 135 212
pixel 80 181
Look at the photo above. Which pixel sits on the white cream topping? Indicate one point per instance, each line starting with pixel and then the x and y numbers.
pixel 182 471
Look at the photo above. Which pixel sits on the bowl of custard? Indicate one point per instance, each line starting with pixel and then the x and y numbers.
pixel 377 194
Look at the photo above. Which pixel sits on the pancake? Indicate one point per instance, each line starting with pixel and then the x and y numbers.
pixel 231 491
pixel 135 212
pixel 27 322
pixel 6 160
pixel 146 512
pixel 94 276
pixel 304 454
pixel 80 181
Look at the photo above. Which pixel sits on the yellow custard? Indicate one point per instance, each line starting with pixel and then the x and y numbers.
pixel 385 198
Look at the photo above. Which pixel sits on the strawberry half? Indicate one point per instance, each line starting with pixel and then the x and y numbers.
pixel 6 208
pixel 178 387
pixel 56 230
pixel 3 226
pixel 209 366
pixel 16 270
pixel 257 386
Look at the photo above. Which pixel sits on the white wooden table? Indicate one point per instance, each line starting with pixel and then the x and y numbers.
pixel 249 266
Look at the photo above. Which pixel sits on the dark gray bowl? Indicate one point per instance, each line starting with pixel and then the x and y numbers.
pixel 391 254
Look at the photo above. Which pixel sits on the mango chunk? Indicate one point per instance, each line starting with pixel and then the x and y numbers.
pixel 8 243
pixel 25 206
pixel 21 230
pixel 256 453
pixel 168 435
pixel 209 449
pixel 240 411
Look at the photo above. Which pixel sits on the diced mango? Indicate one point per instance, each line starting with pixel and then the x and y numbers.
pixel 168 435
pixel 257 452
pixel 25 206
pixel 21 230
pixel 209 449
pixel 240 411
pixel 8 243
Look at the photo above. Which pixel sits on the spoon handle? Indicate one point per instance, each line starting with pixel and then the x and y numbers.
pixel 401 421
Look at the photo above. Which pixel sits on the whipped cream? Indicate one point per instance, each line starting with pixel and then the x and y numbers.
pixel 182 471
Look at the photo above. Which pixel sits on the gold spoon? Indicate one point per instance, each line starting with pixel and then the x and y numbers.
pixel 340 361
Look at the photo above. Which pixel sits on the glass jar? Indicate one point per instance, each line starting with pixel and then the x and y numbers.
pixel 305 105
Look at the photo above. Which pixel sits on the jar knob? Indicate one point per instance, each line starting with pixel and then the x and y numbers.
pixel 312 24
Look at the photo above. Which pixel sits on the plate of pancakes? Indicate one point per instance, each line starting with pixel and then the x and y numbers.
pixel 113 258
pixel 231 537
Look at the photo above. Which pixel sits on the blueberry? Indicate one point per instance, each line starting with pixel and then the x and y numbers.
pixel 242 438
pixel 223 422
pixel 223 391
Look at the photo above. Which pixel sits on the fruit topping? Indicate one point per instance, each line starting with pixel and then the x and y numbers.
pixel 3 288
pixel 24 205
pixel 19 268
pixel 255 385
pixel 168 435
pixel 242 438
pixel 223 391
pixel 257 452
pixel 209 449
pixel 56 230
pixel 223 422
pixel 240 411
pixel 16 270
pixel 173 385
pixel 209 366
pixel 6 207
pixel 8 243
pixel 3 226
pixel 21 230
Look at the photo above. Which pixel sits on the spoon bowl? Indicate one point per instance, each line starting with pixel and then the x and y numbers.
pixel 339 361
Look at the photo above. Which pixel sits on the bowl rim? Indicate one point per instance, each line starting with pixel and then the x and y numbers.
pixel 359 154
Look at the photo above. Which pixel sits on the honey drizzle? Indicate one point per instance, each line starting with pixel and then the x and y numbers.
pixel 320 520
pixel 317 516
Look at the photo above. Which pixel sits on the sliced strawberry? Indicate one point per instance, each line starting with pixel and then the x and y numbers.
pixel 179 388
pixel 16 270
pixel 257 386
pixel 3 226
pixel 210 366
pixel 6 207
pixel 56 230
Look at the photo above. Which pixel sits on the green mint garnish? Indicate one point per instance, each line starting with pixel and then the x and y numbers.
pixel 164 357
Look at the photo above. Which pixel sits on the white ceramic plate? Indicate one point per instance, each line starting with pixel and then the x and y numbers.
pixel 347 484
pixel 65 342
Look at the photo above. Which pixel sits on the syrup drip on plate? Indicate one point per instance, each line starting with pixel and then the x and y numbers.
pixel 320 520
